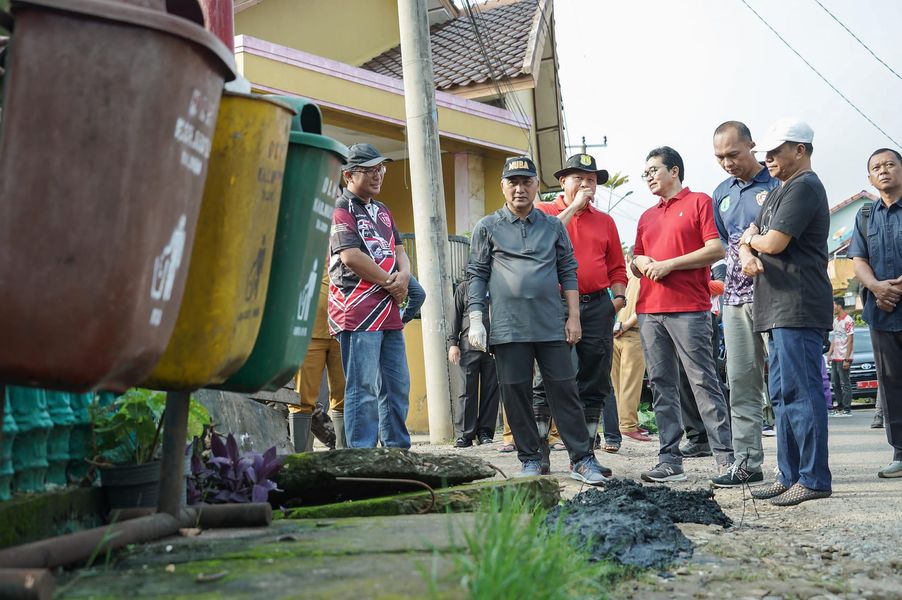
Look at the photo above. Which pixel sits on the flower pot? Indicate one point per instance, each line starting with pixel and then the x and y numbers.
pixel 130 486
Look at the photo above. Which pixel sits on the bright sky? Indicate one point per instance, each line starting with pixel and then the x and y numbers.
pixel 647 73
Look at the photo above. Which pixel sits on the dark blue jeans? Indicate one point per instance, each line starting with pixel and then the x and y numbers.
pixel 416 296
pixel 797 392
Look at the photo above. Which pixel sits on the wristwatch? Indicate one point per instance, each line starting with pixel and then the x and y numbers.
pixel 620 296
pixel 747 240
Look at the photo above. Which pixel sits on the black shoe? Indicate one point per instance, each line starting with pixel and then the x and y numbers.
pixel 484 438
pixel 695 450
pixel 737 476
pixel 463 442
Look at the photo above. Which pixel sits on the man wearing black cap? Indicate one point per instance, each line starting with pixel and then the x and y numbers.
pixel 369 272
pixel 597 249
pixel 524 258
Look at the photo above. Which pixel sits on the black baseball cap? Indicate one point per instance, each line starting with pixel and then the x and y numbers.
pixel 516 166
pixel 364 155
pixel 583 162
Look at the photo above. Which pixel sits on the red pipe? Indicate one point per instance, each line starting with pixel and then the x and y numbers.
pixel 219 16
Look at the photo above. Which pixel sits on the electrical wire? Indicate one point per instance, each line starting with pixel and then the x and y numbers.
pixel 858 39
pixel 503 82
pixel 818 73
pixel 496 80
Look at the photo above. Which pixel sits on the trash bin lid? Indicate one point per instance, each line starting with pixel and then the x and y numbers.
pixel 320 142
pixel 263 97
pixel 113 10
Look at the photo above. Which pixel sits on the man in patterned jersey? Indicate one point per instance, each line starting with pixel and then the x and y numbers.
pixel 369 273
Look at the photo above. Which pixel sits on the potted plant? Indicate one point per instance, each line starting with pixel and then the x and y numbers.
pixel 127 436
pixel 224 475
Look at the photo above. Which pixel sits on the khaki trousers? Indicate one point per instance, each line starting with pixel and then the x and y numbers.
pixel 321 354
pixel 553 436
pixel 627 369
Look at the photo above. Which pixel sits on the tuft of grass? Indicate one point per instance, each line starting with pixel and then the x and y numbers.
pixel 511 553
pixel 646 418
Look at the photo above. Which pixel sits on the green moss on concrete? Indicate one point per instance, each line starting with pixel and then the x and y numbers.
pixel 464 498
pixel 32 517
pixel 369 576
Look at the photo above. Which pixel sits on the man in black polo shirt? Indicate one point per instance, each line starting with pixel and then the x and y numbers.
pixel 785 249
pixel 523 258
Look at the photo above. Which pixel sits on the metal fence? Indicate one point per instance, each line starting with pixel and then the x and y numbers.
pixel 460 254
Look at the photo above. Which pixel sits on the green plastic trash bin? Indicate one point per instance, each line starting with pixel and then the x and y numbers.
pixel 312 169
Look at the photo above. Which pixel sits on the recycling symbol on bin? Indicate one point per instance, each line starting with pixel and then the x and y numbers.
pixel 167 263
pixel 252 286
pixel 307 292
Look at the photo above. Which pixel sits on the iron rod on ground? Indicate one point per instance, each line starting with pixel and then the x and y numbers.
pixel 77 548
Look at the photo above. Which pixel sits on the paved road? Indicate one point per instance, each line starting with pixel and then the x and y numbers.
pixel 864 515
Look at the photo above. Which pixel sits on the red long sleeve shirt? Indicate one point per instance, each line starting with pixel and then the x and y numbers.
pixel 596 246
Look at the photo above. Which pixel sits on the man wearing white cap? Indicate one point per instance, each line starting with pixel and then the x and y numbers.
pixel 785 249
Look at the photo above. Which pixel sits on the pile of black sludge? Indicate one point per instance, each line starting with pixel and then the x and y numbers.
pixel 634 524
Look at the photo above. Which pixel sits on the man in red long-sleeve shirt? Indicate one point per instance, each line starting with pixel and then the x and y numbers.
pixel 596 246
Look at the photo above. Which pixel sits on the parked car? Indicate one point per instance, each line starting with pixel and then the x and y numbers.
pixel 863 372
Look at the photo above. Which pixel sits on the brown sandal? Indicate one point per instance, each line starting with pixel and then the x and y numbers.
pixel 797 494
pixel 611 447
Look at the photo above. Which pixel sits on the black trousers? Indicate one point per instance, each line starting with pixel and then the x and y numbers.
pixel 593 368
pixel 514 362
pixel 888 356
pixel 479 397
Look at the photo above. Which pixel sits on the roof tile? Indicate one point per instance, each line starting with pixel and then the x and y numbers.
pixel 457 58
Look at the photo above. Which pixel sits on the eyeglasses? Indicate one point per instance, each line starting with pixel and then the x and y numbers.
pixel 377 170
pixel 652 171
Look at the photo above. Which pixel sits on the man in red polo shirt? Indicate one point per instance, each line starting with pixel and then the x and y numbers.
pixel 676 242
pixel 596 246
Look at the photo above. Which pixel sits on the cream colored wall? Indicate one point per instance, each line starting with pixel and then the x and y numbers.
pixel 324 88
pixel 494 164
pixel 840 272
pixel 396 195
pixel 350 31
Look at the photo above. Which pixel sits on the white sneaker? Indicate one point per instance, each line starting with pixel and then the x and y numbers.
pixel 892 470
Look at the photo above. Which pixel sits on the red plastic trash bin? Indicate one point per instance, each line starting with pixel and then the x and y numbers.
pixel 108 114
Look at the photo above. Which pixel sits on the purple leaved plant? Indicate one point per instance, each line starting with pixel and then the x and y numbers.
pixel 227 476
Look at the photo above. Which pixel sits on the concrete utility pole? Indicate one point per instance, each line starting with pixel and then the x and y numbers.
pixel 430 224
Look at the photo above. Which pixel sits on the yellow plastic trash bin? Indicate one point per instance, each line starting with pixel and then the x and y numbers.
pixel 229 274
